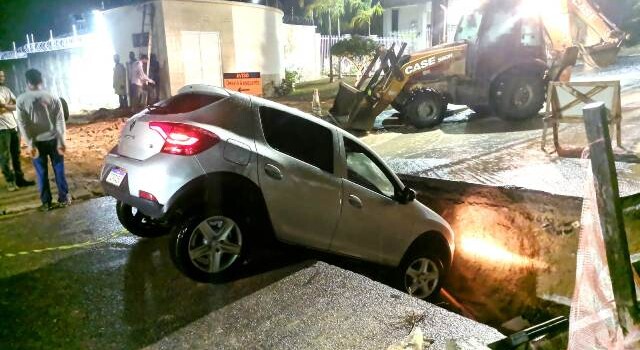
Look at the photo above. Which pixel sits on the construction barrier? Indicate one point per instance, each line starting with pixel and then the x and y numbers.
pixel 565 101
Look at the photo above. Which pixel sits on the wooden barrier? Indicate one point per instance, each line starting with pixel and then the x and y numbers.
pixel 564 105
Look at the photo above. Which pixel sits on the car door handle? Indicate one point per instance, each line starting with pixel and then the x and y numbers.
pixel 355 201
pixel 273 171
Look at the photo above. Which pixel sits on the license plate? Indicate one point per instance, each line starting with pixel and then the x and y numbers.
pixel 116 175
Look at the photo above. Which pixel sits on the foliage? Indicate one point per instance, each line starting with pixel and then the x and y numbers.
pixel 288 84
pixel 365 13
pixel 359 50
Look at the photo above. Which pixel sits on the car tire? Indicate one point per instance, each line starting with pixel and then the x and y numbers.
pixel 519 96
pixel 421 273
pixel 425 108
pixel 137 223
pixel 210 247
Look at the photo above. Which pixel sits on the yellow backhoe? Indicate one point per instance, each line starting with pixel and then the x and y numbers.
pixel 503 56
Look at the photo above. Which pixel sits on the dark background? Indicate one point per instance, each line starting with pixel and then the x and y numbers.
pixel 19 17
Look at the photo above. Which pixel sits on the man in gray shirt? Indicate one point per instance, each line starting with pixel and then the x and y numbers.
pixel 41 123
pixel 10 140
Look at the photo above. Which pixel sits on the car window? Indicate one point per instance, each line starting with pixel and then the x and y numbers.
pixel 184 103
pixel 295 136
pixel 364 170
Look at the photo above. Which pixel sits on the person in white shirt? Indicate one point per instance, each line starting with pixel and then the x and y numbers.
pixel 138 79
pixel 10 140
pixel 41 123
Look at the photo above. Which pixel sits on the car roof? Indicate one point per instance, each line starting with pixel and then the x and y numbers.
pixel 258 101
pixel 261 102
pixel 204 89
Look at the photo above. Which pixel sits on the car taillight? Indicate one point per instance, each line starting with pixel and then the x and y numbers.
pixel 147 196
pixel 183 139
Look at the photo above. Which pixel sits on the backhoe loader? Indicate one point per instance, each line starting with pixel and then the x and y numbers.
pixel 501 60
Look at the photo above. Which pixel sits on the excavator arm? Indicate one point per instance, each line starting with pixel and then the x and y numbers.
pixel 580 23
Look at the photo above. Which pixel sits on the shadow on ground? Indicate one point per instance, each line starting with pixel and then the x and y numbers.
pixel 127 296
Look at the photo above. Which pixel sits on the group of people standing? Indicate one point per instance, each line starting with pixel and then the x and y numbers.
pixel 142 89
pixel 37 117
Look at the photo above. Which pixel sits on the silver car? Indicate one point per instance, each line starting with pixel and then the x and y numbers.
pixel 224 171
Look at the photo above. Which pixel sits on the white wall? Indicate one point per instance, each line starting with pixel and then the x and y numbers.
pixel 302 51
pixel 250 37
pixel 411 18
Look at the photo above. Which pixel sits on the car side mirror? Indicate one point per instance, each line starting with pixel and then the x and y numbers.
pixel 407 195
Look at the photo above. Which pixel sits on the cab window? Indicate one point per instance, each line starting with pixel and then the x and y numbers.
pixel 468 27
pixel 364 170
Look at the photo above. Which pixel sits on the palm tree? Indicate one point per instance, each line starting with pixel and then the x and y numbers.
pixel 330 8
pixel 365 13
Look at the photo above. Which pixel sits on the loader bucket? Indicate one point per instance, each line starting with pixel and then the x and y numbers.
pixel 352 108
pixel 601 55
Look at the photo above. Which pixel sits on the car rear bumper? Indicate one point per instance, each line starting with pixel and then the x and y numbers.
pixel 147 207
pixel 161 176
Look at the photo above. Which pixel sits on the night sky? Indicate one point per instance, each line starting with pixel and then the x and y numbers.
pixel 19 17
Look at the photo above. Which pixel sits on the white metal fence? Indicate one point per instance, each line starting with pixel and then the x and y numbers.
pixel 414 42
pixel 54 44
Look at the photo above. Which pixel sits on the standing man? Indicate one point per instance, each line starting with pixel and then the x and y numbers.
pixel 120 81
pixel 41 122
pixel 138 79
pixel 10 140
pixel 154 74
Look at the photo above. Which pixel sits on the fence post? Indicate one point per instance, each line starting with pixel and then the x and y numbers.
pixel 330 66
pixel 610 213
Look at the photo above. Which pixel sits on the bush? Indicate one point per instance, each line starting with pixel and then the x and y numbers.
pixel 288 84
pixel 359 50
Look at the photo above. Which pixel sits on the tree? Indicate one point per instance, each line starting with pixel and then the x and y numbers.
pixel 330 8
pixel 365 13
pixel 359 50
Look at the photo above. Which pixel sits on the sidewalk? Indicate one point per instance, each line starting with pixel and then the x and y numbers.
pixel 89 138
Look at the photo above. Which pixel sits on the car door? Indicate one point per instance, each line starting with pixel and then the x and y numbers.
pixel 371 218
pixel 296 174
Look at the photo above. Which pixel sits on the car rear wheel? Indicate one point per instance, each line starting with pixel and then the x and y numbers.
pixel 207 247
pixel 421 273
pixel 137 223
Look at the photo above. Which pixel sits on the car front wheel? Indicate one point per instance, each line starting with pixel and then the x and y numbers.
pixel 137 223
pixel 421 274
pixel 207 247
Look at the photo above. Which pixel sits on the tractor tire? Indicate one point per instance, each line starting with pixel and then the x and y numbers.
pixel 425 108
pixel 397 106
pixel 519 96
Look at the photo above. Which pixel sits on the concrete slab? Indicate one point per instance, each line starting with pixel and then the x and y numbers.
pixel 324 307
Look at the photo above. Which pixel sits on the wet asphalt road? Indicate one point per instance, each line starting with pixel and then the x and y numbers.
pixel 74 278
pixel 502 153
pixel 61 289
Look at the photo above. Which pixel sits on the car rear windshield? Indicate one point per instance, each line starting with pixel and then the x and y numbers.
pixel 184 103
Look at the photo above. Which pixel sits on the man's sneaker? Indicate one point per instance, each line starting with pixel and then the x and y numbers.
pixel 11 186
pixel 24 183
pixel 46 207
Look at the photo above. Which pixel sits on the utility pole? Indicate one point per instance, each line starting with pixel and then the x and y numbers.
pixel 610 213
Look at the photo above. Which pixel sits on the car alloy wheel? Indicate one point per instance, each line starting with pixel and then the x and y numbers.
pixel 421 277
pixel 215 244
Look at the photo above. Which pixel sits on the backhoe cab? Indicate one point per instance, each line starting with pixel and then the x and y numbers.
pixel 498 63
